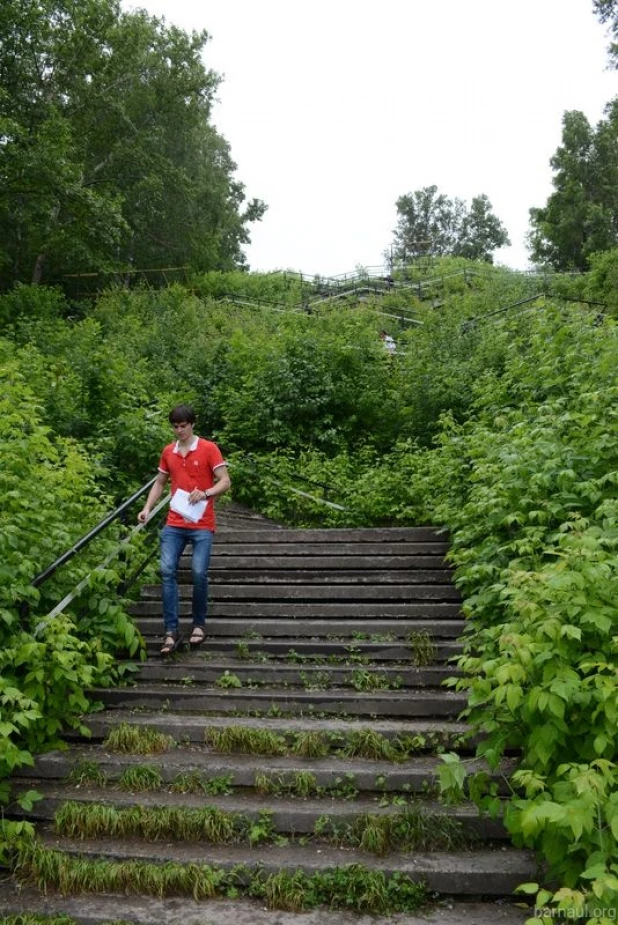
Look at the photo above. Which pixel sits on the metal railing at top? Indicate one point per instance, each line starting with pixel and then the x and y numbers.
pixel 359 284
pixel 539 297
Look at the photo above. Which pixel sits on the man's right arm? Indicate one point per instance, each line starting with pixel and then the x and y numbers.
pixel 153 496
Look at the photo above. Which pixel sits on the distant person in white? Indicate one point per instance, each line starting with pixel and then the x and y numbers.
pixel 389 342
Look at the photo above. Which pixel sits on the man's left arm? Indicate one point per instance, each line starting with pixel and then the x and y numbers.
pixel 222 484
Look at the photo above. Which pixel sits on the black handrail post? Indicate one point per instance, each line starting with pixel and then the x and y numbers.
pixel 122 557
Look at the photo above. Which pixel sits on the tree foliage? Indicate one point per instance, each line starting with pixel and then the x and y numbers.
pixel 107 155
pixel 430 222
pixel 581 215
pixel 607 13
pixel 495 420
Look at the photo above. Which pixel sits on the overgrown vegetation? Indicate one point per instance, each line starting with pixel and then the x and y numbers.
pixel 138 740
pixel 408 830
pixel 208 824
pixel 353 887
pixel 495 419
pixel 355 743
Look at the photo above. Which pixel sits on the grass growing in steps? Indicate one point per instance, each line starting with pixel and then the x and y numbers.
pixel 304 784
pixel 138 740
pixel 145 778
pixel 209 824
pixel 357 743
pixel 420 644
pixel 409 829
pixel 362 680
pixel 353 887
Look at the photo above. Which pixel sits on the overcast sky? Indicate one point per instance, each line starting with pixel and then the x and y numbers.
pixel 335 108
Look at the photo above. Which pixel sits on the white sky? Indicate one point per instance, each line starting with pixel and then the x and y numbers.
pixel 335 108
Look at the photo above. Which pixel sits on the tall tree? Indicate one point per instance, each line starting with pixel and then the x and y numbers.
pixel 580 217
pixel 430 222
pixel 107 153
pixel 607 12
pixel 482 232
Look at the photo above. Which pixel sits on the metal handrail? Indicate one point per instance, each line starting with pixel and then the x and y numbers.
pixel 85 540
pixel 88 537
pixel 347 285
pixel 70 597
pixel 470 323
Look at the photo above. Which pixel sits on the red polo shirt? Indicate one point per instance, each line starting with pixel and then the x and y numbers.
pixel 195 470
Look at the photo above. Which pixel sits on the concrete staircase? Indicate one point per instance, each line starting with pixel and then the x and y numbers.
pixel 308 726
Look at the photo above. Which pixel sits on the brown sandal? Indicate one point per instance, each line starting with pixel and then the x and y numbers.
pixel 170 644
pixel 197 637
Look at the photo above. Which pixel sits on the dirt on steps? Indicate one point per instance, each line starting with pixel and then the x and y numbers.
pixel 94 910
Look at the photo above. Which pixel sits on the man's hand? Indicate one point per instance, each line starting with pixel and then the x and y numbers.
pixel 143 515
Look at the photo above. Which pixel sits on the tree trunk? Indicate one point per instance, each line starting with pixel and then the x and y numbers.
pixel 37 272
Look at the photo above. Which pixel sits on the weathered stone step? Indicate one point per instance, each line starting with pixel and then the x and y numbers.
pixel 291 817
pixel 224 548
pixel 94 910
pixel 237 574
pixel 446 628
pixel 193 727
pixel 316 651
pixel 329 536
pixel 373 775
pixel 299 593
pixel 318 610
pixel 486 872
pixel 331 562
pixel 192 668
pixel 263 700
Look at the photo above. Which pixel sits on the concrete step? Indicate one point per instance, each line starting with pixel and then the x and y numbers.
pixel 150 624
pixel 193 728
pixel 264 700
pixel 372 777
pixel 239 572
pixel 375 611
pixel 196 669
pixel 412 536
pixel 289 817
pixel 224 547
pixel 317 651
pixel 142 910
pixel 485 872
pixel 298 593
pixel 331 561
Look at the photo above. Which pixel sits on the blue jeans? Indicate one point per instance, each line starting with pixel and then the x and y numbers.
pixel 173 542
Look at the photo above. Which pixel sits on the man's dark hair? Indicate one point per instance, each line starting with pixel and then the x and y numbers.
pixel 182 414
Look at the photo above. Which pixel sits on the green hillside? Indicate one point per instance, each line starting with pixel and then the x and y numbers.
pixel 495 418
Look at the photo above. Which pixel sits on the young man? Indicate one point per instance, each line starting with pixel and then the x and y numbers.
pixel 197 468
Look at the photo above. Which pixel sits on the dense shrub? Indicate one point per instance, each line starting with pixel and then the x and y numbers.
pixel 495 419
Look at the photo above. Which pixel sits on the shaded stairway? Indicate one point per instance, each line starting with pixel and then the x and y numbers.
pixel 306 728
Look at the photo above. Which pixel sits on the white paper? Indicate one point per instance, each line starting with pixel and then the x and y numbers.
pixel 181 504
